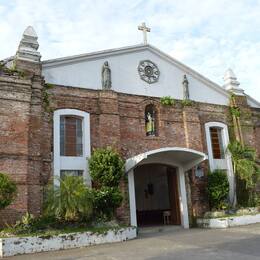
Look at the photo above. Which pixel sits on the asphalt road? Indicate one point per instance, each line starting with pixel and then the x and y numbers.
pixel 240 243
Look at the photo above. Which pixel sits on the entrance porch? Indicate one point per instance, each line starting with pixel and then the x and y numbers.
pixel 170 184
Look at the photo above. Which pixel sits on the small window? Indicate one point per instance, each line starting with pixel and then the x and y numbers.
pixel 71 136
pixel 150 120
pixel 217 143
pixel 75 173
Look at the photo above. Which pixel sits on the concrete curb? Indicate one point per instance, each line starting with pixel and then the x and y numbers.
pixel 24 245
pixel 227 222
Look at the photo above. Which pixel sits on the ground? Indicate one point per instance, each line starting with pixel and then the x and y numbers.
pixel 238 243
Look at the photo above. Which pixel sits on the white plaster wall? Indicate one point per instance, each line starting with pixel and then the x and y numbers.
pixel 125 77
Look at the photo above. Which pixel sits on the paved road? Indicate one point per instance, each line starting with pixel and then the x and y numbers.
pixel 241 243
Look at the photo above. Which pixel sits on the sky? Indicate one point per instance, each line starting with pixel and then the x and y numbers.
pixel 209 36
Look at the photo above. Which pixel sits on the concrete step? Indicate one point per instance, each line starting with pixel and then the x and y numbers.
pixel 158 229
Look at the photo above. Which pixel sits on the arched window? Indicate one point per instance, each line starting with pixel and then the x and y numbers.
pixel 71 139
pixel 216 137
pixel 71 136
pixel 150 120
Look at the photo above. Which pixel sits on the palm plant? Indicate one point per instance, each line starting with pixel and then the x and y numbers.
pixel 245 167
pixel 70 201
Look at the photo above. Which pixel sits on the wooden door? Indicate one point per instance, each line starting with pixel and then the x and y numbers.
pixel 174 196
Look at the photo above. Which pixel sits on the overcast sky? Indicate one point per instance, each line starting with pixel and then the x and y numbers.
pixel 208 35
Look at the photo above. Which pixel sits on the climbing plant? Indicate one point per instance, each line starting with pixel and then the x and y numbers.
pixel 246 170
pixel 46 97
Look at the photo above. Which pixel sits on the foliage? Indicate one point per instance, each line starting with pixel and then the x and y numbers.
pixel 8 191
pixel 46 227
pixel 186 102
pixel 244 163
pixel 246 170
pixel 217 189
pixel 70 202
pixel 106 167
pixel 11 71
pixel 235 111
pixel 167 101
pixel 46 97
pixel 106 200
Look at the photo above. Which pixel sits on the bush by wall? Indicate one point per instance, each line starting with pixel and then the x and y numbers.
pixel 217 189
pixel 8 191
pixel 106 167
pixel 106 170
pixel 72 201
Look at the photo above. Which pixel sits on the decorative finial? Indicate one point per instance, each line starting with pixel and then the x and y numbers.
pixel 28 46
pixel 231 83
pixel 145 29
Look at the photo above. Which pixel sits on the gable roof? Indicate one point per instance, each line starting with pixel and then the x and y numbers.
pixel 137 48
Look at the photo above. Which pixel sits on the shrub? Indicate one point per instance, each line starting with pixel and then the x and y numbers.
pixel 187 103
pixel 217 189
pixel 106 167
pixel 8 191
pixel 105 201
pixel 167 101
pixel 71 201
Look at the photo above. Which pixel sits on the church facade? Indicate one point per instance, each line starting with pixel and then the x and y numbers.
pixel 169 123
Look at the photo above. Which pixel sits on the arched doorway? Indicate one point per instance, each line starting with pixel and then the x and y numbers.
pixel 180 159
pixel 157 195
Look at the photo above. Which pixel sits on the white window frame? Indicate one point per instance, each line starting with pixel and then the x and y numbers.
pixel 223 164
pixel 71 162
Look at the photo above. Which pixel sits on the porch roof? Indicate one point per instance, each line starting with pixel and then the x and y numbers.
pixel 173 156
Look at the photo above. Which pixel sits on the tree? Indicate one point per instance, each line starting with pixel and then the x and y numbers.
pixel 8 191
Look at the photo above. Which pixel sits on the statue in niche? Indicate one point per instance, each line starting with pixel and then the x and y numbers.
pixel 150 126
pixel 106 76
pixel 185 83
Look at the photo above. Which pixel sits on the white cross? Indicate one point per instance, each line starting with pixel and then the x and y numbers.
pixel 145 30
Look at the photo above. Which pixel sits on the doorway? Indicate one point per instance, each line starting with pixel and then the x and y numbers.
pixel 157 195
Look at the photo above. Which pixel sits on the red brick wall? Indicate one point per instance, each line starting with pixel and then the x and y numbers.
pixel 116 119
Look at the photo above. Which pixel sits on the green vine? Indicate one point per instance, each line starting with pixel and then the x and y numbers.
pixel 46 97
pixel 235 111
pixel 11 71
pixel 167 101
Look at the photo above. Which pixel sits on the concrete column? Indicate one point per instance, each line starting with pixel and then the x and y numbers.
pixel 183 199
pixel 131 187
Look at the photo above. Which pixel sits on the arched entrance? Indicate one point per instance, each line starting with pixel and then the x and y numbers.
pixel 157 195
pixel 175 159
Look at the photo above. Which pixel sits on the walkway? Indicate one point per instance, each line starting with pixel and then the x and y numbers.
pixel 178 244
